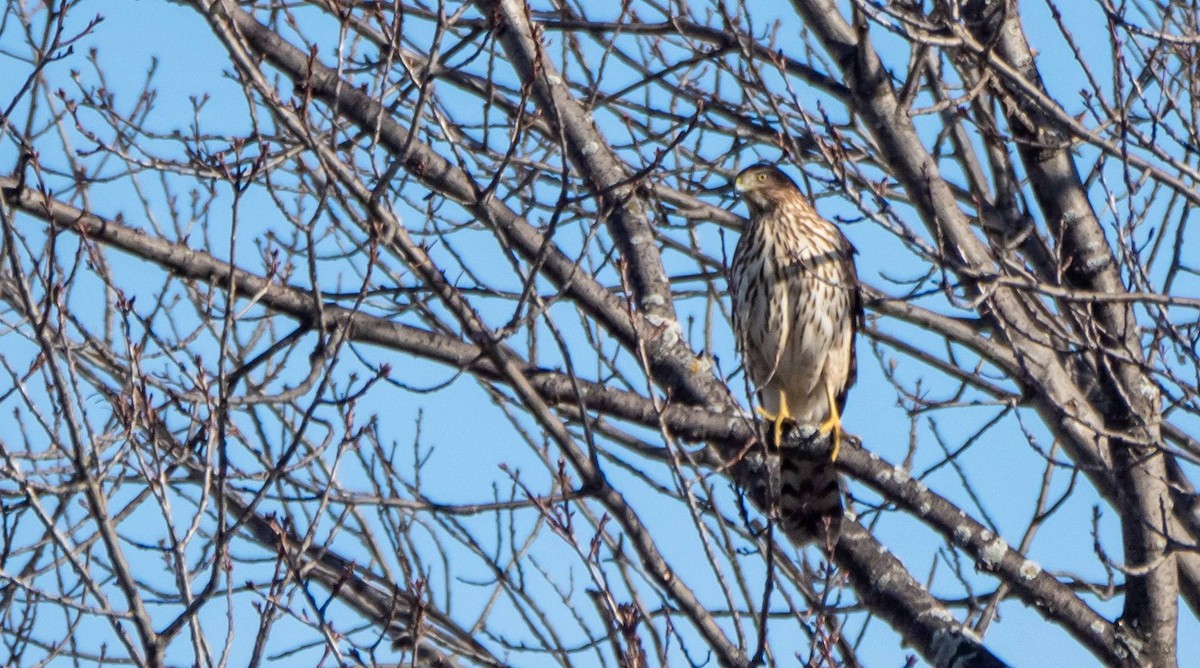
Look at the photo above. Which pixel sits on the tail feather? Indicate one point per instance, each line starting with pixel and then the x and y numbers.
pixel 810 500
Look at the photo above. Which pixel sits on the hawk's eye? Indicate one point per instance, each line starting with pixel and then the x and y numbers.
pixel 762 177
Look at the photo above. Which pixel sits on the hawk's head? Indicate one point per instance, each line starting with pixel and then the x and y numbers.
pixel 764 186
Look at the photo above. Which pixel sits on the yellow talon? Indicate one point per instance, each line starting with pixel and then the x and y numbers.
pixel 778 419
pixel 833 424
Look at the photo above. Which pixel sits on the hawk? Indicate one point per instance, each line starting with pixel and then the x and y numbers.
pixel 796 310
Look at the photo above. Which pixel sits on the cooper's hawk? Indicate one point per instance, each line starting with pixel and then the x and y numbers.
pixel 796 309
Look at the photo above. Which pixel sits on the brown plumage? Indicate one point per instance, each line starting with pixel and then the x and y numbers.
pixel 796 310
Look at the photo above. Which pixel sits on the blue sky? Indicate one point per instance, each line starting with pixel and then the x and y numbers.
pixel 1002 466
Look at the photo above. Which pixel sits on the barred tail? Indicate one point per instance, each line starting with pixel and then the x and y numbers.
pixel 810 500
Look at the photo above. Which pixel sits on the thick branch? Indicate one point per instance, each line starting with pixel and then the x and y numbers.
pixel 729 432
pixel 1129 400
pixel 671 360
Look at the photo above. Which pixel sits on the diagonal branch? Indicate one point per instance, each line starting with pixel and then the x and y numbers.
pixel 1030 583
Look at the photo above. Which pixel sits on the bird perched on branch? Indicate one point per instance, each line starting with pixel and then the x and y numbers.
pixel 796 310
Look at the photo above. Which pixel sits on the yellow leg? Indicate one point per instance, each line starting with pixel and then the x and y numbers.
pixel 777 419
pixel 834 423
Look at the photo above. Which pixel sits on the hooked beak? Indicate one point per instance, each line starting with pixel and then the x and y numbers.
pixel 737 185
